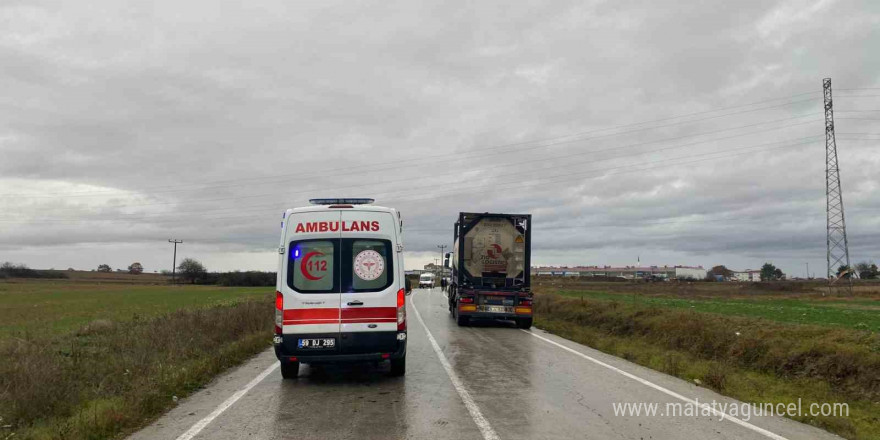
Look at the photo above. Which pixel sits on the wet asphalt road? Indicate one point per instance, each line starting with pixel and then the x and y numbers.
pixel 524 387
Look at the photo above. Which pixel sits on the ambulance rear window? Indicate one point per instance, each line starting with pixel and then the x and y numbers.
pixel 311 267
pixel 371 267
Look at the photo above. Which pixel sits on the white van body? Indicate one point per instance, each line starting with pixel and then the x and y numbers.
pixel 426 280
pixel 340 292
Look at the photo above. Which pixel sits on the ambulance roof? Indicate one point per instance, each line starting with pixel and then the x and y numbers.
pixel 340 207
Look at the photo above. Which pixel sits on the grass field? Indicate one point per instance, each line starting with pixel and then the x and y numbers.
pixel 857 314
pixel 95 357
pixel 59 306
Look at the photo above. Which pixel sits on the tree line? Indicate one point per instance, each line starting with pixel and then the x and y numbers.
pixel 189 271
pixel 866 270
pixel 11 270
pixel 192 271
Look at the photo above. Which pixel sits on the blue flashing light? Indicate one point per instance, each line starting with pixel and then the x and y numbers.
pixel 342 201
pixel 295 253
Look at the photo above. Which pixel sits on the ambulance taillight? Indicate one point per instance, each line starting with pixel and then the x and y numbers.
pixel 279 312
pixel 401 309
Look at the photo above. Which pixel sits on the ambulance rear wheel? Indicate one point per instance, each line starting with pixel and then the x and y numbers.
pixel 289 370
pixel 398 367
pixel 524 323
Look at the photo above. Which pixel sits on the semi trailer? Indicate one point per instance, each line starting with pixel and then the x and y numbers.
pixel 490 264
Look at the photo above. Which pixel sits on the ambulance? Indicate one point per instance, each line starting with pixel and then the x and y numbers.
pixel 341 290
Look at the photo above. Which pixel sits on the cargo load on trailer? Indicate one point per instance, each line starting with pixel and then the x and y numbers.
pixel 490 268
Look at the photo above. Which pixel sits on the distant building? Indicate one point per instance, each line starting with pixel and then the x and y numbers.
pixel 747 275
pixel 688 272
pixel 628 272
pixel 436 268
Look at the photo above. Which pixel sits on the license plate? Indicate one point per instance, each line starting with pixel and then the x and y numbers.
pixel 496 309
pixel 316 343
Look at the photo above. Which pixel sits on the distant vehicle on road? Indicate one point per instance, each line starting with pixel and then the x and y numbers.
pixel 426 280
pixel 341 290
pixel 490 262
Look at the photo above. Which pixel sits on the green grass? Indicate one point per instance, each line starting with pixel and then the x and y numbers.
pixel 59 306
pixel 856 314
pixel 94 360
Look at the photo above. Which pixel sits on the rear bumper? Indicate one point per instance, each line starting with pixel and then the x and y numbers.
pixel 487 315
pixel 350 347
pixel 481 301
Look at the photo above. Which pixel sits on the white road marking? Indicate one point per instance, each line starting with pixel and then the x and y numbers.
pixel 664 390
pixel 473 409
pixel 201 424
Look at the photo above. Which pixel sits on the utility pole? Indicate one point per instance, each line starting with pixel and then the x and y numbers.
pixel 174 261
pixel 837 245
pixel 442 256
pixel 808 270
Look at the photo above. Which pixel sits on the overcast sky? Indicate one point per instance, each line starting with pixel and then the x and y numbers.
pixel 628 129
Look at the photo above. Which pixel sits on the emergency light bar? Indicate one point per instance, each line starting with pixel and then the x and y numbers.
pixel 341 201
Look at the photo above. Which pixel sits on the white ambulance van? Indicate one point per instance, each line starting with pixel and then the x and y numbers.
pixel 341 290
pixel 426 280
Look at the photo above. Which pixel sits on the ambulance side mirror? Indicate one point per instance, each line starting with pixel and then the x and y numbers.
pixel 407 288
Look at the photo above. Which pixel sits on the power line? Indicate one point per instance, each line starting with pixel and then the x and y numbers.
pixel 307 191
pixel 571 176
pixel 555 141
pixel 517 163
pixel 544 228
pixel 502 185
pixel 568 164
pixel 276 206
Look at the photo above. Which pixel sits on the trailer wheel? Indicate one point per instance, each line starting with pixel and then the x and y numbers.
pixel 524 323
pixel 289 370
pixel 398 367
pixel 450 299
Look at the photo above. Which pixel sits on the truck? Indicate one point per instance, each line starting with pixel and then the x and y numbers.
pixel 490 262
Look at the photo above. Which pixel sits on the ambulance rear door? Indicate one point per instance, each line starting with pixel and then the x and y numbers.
pixel 370 281
pixel 313 281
